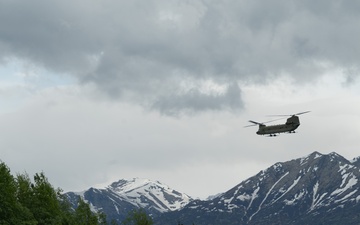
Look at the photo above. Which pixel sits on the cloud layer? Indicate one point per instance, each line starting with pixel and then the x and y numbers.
pixel 142 51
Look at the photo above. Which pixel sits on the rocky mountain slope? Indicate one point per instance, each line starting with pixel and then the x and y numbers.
pixel 317 189
pixel 120 197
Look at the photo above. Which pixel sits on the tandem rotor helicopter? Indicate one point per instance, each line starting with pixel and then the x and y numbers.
pixel 290 126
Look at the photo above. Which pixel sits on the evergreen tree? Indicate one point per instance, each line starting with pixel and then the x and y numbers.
pixel 24 190
pixel 25 203
pixel 7 194
pixel 68 214
pixel 11 211
pixel 84 215
pixel 138 217
pixel 45 205
pixel 102 218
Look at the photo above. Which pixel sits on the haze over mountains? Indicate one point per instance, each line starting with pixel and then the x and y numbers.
pixel 315 189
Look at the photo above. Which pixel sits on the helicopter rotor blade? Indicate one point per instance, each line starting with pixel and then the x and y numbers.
pixel 290 114
pixel 302 113
pixel 254 123
pixel 275 119
pixel 278 115
pixel 263 123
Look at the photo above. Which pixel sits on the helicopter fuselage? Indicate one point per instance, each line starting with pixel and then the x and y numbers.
pixel 290 126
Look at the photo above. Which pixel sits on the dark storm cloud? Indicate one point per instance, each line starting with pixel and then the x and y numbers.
pixel 141 49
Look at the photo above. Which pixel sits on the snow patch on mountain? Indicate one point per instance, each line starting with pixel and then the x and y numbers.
pixel 144 192
pixel 253 196
pixel 211 197
pixel 350 183
pixel 267 194
pixel 293 185
pixel 316 197
pixel 297 197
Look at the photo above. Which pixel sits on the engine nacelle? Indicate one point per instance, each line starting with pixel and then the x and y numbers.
pixel 293 120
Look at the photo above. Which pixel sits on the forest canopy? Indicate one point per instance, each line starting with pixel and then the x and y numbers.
pixel 36 202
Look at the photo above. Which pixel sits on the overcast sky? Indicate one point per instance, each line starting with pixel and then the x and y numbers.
pixel 96 91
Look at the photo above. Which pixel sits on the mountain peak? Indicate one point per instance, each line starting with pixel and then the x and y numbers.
pixel 145 193
pixel 128 185
pixel 355 160
pixel 334 154
pixel 313 156
pixel 127 194
pixel 300 191
pixel 316 154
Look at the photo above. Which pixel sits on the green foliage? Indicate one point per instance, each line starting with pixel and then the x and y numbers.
pixel 42 200
pixel 83 214
pixel 11 211
pixel 8 204
pixel 23 202
pixel 138 217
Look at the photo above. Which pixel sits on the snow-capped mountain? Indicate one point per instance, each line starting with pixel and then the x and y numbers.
pixel 117 199
pixel 145 193
pixel 316 189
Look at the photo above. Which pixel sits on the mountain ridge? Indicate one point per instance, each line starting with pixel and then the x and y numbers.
pixel 124 195
pixel 314 189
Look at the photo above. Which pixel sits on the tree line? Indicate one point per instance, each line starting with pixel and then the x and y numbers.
pixel 37 202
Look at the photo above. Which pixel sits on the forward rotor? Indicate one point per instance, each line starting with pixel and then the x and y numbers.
pixel 261 124
pixel 254 123
pixel 296 114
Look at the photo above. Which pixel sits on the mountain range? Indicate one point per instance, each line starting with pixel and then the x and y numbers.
pixel 122 196
pixel 315 189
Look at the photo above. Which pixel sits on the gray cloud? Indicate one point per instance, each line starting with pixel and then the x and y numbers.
pixel 139 50
pixel 196 101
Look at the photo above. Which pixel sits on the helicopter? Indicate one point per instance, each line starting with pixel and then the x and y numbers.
pixel 292 123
